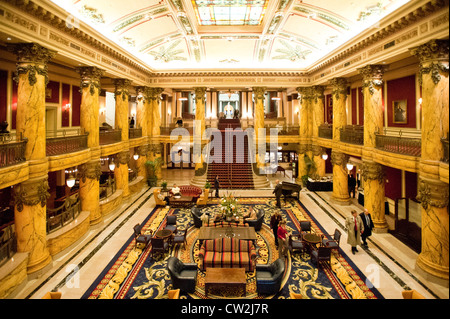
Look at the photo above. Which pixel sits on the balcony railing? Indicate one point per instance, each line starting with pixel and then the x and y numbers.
pixel 353 134
pixel 12 149
pixel 110 136
pixel 64 214
pixel 135 132
pixel 107 186
pixel 397 144
pixel 445 146
pixel 326 131
pixel 167 130
pixel 8 242
pixel 65 141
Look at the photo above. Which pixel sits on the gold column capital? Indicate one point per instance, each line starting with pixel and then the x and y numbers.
pixel 31 53
pixel 339 158
pixel 433 57
pixel 259 92
pixel 141 92
pixel 372 171
pixel 91 170
pixel 121 87
pixel 339 87
pixel 317 92
pixel 373 76
pixel 305 93
pixel 432 193
pixel 200 94
pixel 90 77
pixel 31 193
pixel 154 93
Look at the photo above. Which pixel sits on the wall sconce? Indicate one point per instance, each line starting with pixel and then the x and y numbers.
pixel 67 106
pixel 102 111
pixel 349 166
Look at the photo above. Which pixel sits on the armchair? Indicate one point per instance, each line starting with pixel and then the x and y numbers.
pixel 305 226
pixel 183 275
pixel 159 200
pixel 52 295
pixel 196 216
pixel 159 245
pixel 412 294
pixel 171 223
pixel 140 238
pixel 179 237
pixel 203 199
pixel 333 243
pixel 269 277
pixel 256 223
pixel 321 254
pixel 296 243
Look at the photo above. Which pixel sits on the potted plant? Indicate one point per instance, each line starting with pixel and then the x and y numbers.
pixel 152 168
pixel 164 185
pixel 207 185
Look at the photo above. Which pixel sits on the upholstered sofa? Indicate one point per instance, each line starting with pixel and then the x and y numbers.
pixel 183 275
pixel 190 190
pixel 227 253
pixel 269 277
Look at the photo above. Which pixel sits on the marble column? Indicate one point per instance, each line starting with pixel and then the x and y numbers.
pixel 148 112
pixel 30 197
pixel 374 194
pixel 318 119
pixel 200 167
pixel 154 95
pixel 121 112
pixel 338 159
pixel 258 121
pixel 304 98
pixel 89 173
pixel 373 173
pixel 89 177
pixel 373 103
pixel 121 122
pixel 122 161
pixel 340 178
pixel 339 96
pixel 433 193
pixel 141 109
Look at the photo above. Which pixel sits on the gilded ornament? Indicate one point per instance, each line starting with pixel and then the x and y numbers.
pixel 432 193
pixel 372 171
pixel 31 193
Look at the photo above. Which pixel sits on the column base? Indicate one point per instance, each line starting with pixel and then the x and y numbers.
pixel 39 266
pixel 432 271
pixel 341 201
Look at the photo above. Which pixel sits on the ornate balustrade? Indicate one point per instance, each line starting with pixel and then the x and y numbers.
pixel 12 149
pixel 326 131
pixel 8 242
pixel 64 214
pixel 110 136
pixel 65 141
pixel 397 144
pixel 353 134
pixel 134 132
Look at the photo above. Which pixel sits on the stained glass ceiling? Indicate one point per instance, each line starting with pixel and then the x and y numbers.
pixel 229 12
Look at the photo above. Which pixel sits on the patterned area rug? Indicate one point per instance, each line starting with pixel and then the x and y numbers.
pixel 134 274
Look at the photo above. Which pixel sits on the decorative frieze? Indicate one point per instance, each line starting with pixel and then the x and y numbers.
pixel 31 193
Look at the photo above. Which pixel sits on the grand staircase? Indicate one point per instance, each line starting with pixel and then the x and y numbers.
pixel 234 167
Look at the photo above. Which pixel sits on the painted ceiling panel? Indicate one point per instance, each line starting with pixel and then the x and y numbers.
pixel 182 34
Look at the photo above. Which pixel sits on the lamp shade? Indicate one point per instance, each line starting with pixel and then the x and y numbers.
pixel 70 181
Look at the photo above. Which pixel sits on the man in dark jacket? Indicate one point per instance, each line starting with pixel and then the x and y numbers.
pixel 368 226
pixel 278 192
pixel 351 185
pixel 217 185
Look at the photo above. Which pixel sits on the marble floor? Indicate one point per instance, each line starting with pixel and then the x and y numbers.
pixel 388 263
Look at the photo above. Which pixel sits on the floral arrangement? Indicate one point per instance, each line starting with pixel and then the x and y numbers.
pixel 229 206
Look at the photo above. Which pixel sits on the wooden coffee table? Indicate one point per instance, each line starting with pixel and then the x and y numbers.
pixel 225 277
pixel 182 201
pixel 244 233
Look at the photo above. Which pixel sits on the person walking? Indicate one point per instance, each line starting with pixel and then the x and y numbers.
pixel 368 226
pixel 217 185
pixel 282 239
pixel 354 227
pixel 278 191
pixel 274 222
